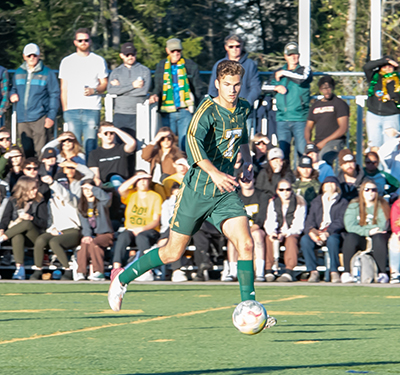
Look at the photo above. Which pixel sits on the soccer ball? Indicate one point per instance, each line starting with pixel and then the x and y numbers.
pixel 250 317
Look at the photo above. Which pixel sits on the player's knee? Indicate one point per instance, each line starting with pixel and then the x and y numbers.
pixel 247 245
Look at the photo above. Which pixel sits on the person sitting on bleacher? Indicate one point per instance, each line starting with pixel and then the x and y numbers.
pixel 64 228
pixel 286 215
pixel 367 216
pixel 306 184
pixel 181 166
pixel 97 230
pixel 5 144
pixel 25 216
pixel 324 226
pixel 49 165
pixel 30 168
pixel 321 166
pixel 16 159
pixel 276 169
pixel 259 146
pixel 142 217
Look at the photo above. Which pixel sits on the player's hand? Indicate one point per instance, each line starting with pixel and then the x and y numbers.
pixel 87 240
pixel 48 123
pixel 248 172
pixel 224 182
pixel 279 74
pixel 281 89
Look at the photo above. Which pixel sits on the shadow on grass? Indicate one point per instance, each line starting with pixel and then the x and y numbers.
pixel 106 290
pixel 267 369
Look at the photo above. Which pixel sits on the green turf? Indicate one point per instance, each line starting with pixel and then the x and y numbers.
pixel 331 330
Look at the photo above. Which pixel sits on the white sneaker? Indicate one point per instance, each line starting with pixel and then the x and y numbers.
pixel 147 276
pixel 97 276
pixel 346 278
pixel 19 274
pixel 178 276
pixel 79 276
pixel 383 278
pixel 395 278
pixel 116 293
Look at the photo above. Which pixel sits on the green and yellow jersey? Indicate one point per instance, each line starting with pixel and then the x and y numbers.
pixel 215 133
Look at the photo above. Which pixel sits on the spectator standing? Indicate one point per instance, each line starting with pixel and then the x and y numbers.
pixel 389 155
pixel 37 94
pixel 110 161
pixel 4 93
pixel 351 175
pixel 330 117
pixel 291 84
pixel 284 224
pixel 130 82
pixel 251 85
pixel 177 88
pixel 394 243
pixel 383 115
pixel 321 166
pixel 367 216
pixel 324 226
pixel 83 76
pixel 306 184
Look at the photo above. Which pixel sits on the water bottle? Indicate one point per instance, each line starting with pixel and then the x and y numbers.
pixel 357 270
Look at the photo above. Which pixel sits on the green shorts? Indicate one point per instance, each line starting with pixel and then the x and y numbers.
pixel 193 208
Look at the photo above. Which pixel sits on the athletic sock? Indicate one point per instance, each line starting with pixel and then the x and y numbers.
pixel 143 264
pixel 246 279
pixel 233 266
pixel 260 265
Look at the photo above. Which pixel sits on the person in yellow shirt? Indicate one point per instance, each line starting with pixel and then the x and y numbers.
pixel 142 217
pixel 181 166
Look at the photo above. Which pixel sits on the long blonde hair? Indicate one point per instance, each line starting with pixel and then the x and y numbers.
pixel 77 147
pixel 20 191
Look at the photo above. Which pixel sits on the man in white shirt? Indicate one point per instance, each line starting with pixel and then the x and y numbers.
pixel 83 76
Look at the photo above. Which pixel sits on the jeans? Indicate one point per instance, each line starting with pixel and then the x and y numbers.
pixel 376 126
pixel 308 246
pixel 331 150
pixel 178 122
pixel 84 124
pixel 288 129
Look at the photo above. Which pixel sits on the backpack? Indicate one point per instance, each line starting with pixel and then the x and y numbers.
pixel 369 269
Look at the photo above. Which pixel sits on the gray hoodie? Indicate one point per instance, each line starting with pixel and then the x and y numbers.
pixel 127 96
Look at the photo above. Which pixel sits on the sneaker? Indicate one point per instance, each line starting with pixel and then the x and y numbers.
pixel 314 277
pixel 198 277
pixel 115 272
pixel 260 279
pixel 37 275
pixel 67 275
pixel 228 278
pixel 147 276
pixel 97 276
pixel 383 278
pixel 335 278
pixel 116 293
pixel 271 321
pixel 178 276
pixel 19 274
pixel 79 277
pixel 346 278
pixel 285 278
pixel 270 277
pixel 395 278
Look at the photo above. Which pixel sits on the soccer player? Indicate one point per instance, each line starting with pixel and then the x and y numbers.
pixel 215 135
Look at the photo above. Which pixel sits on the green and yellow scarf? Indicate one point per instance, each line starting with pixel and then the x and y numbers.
pixel 168 104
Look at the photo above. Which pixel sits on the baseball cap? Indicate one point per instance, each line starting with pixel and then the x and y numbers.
pixel 275 153
pixel 49 153
pixel 174 44
pixel 31 49
pixel 311 147
pixel 182 161
pixel 291 48
pixel 128 48
pixel 305 162
pixel 345 156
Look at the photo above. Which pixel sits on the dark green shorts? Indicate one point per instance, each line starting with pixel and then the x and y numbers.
pixel 193 208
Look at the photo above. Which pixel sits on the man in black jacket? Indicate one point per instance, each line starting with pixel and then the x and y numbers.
pixel 177 87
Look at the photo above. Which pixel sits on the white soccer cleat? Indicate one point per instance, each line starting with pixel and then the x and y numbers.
pixel 271 321
pixel 116 293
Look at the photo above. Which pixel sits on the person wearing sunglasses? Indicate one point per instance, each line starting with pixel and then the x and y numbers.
pixel 36 95
pixel 324 227
pixel 83 76
pixel 251 84
pixel 367 216
pixel 286 215
pixel 259 145
pixel 30 168
pixel 177 89
pixel 5 144
pixel 13 171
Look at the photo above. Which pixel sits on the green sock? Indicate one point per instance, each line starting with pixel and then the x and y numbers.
pixel 143 264
pixel 245 274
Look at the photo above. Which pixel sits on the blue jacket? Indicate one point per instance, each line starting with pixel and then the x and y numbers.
pixel 251 85
pixel 38 96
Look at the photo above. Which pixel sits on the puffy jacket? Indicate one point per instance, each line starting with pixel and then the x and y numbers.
pixel 351 191
pixel 251 85
pixel 39 93
pixel 294 105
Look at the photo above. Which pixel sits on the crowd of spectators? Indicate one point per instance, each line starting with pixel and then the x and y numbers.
pixel 80 191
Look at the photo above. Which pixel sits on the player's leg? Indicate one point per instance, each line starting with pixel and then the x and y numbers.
pixel 237 231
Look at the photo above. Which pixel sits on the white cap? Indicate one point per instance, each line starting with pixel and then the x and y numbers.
pixel 31 49
pixel 275 153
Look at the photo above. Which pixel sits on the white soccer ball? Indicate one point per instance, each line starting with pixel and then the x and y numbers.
pixel 250 317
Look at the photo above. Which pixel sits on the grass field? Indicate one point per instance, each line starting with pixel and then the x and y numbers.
pixel 49 328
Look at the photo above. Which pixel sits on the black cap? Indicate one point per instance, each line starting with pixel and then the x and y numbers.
pixel 331 179
pixel 305 162
pixel 49 153
pixel 128 48
pixel 311 147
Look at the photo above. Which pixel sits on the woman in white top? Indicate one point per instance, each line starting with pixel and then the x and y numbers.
pixel 286 215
